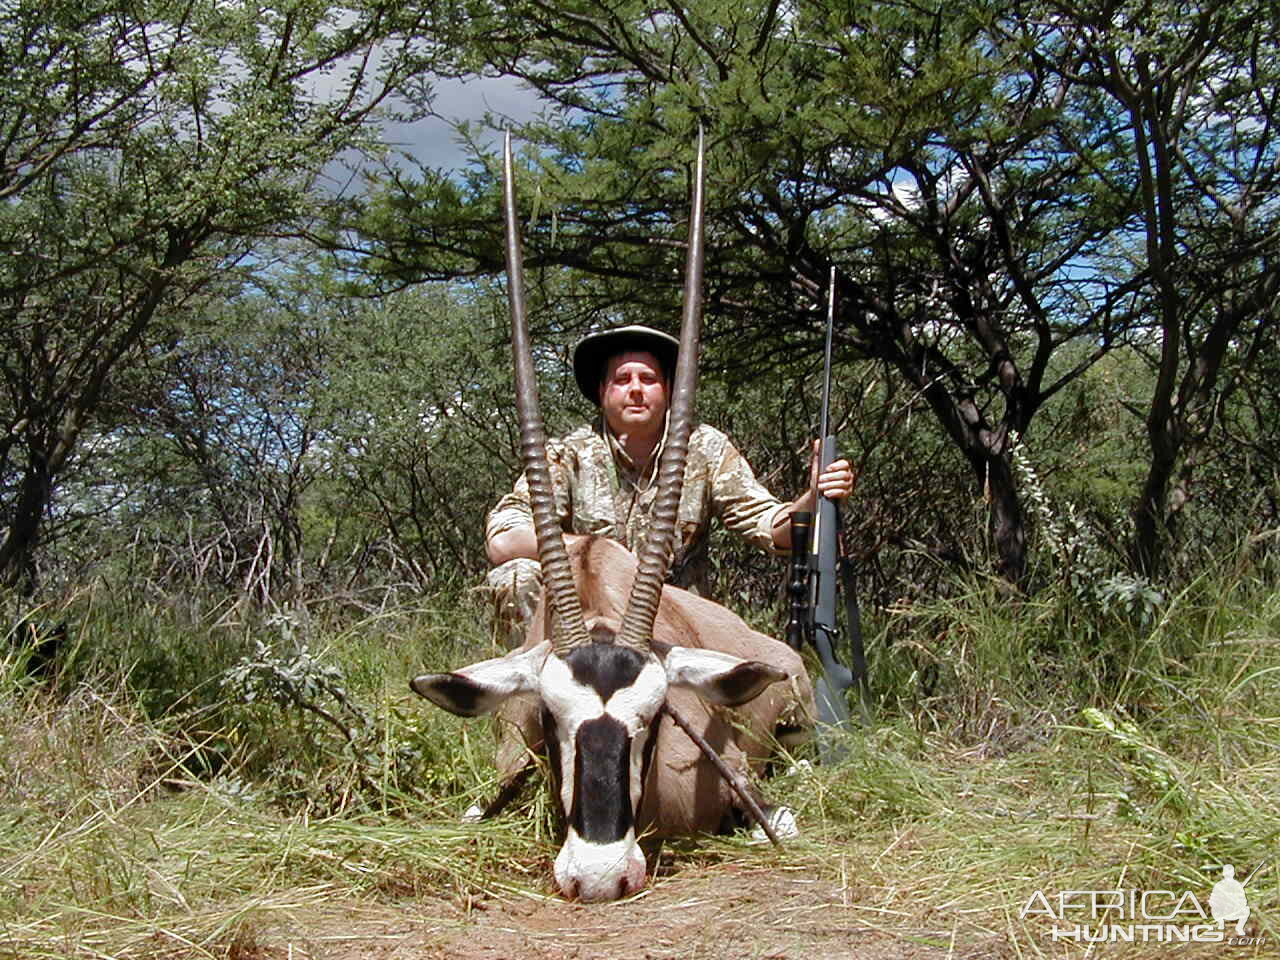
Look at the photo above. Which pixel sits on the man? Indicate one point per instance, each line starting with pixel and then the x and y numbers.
pixel 605 477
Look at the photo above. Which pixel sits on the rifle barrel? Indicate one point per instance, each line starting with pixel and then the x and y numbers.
pixel 824 424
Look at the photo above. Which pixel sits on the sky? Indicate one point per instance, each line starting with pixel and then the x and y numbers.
pixel 433 141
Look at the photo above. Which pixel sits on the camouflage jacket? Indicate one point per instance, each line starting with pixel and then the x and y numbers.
pixel 599 492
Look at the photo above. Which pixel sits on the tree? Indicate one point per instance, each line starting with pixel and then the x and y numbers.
pixel 143 152
pixel 309 443
pixel 429 440
pixel 953 179
pixel 1195 93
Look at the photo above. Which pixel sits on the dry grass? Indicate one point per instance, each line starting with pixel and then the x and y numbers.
pixel 926 841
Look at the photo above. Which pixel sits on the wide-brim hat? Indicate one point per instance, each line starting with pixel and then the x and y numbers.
pixel 594 350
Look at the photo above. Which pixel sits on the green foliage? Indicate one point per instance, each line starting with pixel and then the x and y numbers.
pixel 1078 560
pixel 1153 770
pixel 362 746
pixel 426 438
pixel 983 203
pixel 315 445
pixel 150 151
pixel 977 201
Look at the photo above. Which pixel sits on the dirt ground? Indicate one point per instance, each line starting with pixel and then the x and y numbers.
pixel 714 912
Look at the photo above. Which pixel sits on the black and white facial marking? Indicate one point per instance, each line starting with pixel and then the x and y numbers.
pixel 604 800
pixel 599 703
pixel 602 699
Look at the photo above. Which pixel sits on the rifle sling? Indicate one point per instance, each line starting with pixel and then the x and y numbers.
pixel 853 617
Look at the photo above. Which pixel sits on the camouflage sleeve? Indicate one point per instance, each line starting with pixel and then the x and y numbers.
pixel 740 500
pixel 513 510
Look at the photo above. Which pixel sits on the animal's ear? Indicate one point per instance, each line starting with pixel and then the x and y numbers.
pixel 482 687
pixel 719 677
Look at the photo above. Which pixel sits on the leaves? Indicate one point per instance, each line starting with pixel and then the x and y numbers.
pixel 145 152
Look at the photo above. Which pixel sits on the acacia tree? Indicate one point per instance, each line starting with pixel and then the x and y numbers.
pixel 1195 93
pixel 309 443
pixel 143 151
pixel 950 178
pixel 430 441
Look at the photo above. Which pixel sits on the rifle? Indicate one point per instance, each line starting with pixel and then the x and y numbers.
pixel 815 561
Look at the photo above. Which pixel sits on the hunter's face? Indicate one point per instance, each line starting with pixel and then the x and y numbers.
pixel 633 394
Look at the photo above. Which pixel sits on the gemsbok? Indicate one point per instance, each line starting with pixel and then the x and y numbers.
pixel 613 659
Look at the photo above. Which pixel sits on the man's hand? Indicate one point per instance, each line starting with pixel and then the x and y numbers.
pixel 834 483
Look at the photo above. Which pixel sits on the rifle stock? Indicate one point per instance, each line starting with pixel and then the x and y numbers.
pixel 836 678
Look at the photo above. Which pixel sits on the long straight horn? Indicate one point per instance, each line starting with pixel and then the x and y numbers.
pixel 655 551
pixel 557 574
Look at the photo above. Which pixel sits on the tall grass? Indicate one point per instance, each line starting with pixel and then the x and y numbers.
pixel 190 781
pixel 159 797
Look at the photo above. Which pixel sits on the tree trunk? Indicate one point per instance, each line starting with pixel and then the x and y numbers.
pixel 1151 533
pixel 1006 524
pixel 22 536
pixel 987 448
pixel 1183 408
